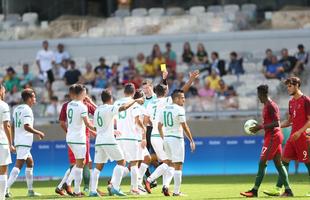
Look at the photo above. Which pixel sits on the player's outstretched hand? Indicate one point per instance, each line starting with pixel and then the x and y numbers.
pixel 165 75
pixel 41 135
pixel 255 128
pixel 117 133
pixel 193 146
pixel 140 100
pixel 12 149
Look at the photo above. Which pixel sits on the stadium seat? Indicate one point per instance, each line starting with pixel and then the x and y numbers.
pixel 231 8
pixel 156 11
pixel 122 13
pixel 140 12
pixel 59 85
pixel 196 9
pixel 249 10
pixel 30 18
pixel 174 11
pixel 215 9
pixel 246 103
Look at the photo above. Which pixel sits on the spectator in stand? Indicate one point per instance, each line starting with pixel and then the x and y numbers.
pixel 73 75
pixel 288 62
pixel 158 60
pixel 61 54
pixel 140 61
pixel 148 67
pixel 129 71
pixel 188 55
pixel 11 81
pixel 214 80
pixel 115 74
pixel 218 64
pixel 45 60
pixel 53 109
pixel 275 69
pixel 89 76
pixel 267 59
pixel 101 80
pixel 155 51
pixel 102 66
pixel 302 59
pixel 206 91
pixel 137 80
pixel 235 65
pixel 26 77
pixel 171 58
pixel 201 55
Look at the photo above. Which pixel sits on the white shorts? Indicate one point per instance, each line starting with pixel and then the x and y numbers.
pixel 158 146
pixel 105 152
pixel 130 149
pixel 22 153
pixel 175 149
pixel 78 150
pixel 5 155
pixel 142 152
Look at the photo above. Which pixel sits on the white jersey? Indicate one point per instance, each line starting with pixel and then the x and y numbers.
pixel 76 133
pixel 125 121
pixel 171 117
pixel 142 112
pixel 152 110
pixel 104 122
pixel 22 115
pixel 45 59
pixel 4 116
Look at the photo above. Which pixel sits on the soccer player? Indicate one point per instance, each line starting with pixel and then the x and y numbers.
pixel 23 132
pixel 273 139
pixel 106 145
pixel 297 146
pixel 77 118
pixel 5 142
pixel 171 124
pixel 128 139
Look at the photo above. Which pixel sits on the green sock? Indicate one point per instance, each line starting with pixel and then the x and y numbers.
pixel 260 174
pixel 280 182
pixel 86 176
pixel 308 167
pixel 283 176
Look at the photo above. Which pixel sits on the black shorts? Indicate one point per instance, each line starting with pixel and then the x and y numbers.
pixel 50 76
pixel 148 140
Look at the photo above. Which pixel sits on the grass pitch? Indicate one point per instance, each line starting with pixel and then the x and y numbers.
pixel 197 187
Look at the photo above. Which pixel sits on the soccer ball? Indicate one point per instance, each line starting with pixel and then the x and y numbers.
pixel 249 124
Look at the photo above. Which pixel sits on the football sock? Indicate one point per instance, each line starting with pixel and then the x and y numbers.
pixel 13 176
pixel 177 181
pixel 283 176
pixel 125 171
pixel 78 176
pixel 134 175
pixel 260 175
pixel 86 176
pixel 117 176
pixel 168 177
pixel 3 183
pixel 159 171
pixel 29 178
pixel 280 182
pixel 64 179
pixel 142 169
pixel 71 176
pixel 94 180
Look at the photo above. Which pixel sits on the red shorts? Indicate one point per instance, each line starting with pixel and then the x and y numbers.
pixel 297 150
pixel 272 146
pixel 72 158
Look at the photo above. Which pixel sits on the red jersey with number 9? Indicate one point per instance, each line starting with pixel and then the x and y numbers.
pixel 299 110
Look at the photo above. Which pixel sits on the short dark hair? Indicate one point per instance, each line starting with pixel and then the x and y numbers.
pixel 263 89
pixel 300 46
pixel 176 93
pixel 293 81
pixel 71 88
pixel 106 96
pixel 160 90
pixel 78 89
pixel 27 94
pixel 215 53
pixel 54 98
pixel 138 94
pixel 129 89
pixel 233 54
pixel 268 50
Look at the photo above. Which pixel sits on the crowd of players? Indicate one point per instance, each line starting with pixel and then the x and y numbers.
pixel 144 127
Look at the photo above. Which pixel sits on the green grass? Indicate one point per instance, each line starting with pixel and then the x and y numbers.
pixel 198 187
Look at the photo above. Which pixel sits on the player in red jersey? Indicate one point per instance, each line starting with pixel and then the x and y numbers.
pixel 297 146
pixel 86 171
pixel 272 147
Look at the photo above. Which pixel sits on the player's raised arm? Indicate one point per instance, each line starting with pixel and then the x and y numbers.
pixel 129 104
pixel 192 76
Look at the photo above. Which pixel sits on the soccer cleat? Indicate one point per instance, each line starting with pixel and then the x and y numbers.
pixel 8 195
pixel 93 194
pixel 154 184
pixel 32 193
pixel 117 192
pixel 148 186
pixel 68 189
pixel 165 191
pixel 61 192
pixel 80 194
pixel 273 192
pixel 179 195
pixel 287 193
pixel 250 193
pixel 141 188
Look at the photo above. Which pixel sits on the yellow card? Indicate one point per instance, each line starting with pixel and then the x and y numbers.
pixel 163 67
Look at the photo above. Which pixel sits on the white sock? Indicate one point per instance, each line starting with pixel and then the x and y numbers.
pixel 142 170
pixel 159 171
pixel 64 179
pixel 125 171
pixel 3 183
pixel 29 178
pixel 13 176
pixel 134 174
pixel 177 181
pixel 94 180
pixel 117 176
pixel 78 179
pixel 71 176
pixel 168 176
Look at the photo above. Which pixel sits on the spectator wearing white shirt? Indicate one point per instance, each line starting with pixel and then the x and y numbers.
pixel 61 54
